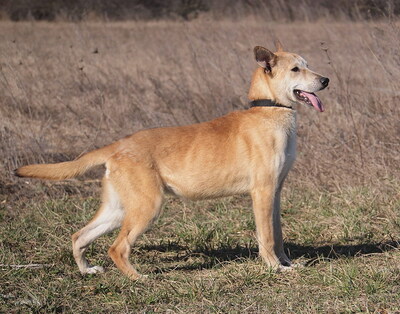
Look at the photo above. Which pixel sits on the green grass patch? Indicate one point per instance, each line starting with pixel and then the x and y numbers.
pixel 202 257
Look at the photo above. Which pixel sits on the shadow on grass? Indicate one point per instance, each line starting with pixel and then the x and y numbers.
pixel 330 252
pixel 207 258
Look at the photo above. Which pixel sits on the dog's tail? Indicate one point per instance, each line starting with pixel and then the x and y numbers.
pixel 68 169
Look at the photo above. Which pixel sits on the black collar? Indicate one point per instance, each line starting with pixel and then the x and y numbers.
pixel 266 103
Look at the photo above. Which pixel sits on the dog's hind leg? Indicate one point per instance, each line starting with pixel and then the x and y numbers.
pixel 107 218
pixel 141 195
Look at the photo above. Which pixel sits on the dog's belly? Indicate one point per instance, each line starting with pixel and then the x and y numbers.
pixel 206 184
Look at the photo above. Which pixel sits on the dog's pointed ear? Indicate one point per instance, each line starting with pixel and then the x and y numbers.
pixel 278 45
pixel 264 57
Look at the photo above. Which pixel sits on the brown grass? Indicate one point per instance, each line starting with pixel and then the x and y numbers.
pixel 67 88
pixel 273 10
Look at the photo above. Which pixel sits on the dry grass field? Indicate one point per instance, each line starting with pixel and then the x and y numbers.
pixel 66 88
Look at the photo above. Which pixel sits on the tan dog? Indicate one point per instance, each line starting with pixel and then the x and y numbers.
pixel 249 151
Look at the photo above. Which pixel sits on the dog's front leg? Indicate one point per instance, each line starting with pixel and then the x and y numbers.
pixel 283 258
pixel 269 231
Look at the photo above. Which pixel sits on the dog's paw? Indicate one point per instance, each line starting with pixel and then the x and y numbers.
pixel 281 269
pixel 94 270
pixel 143 277
pixel 297 265
pixel 292 267
pixel 135 276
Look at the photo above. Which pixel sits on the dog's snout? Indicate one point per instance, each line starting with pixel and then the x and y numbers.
pixel 324 81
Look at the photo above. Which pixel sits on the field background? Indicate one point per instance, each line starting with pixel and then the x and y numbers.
pixel 76 78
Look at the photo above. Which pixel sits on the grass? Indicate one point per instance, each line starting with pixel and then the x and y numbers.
pixel 66 88
pixel 202 257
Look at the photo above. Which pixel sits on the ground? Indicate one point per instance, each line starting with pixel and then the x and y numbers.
pixel 67 88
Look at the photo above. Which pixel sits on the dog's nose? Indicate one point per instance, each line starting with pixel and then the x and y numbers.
pixel 324 81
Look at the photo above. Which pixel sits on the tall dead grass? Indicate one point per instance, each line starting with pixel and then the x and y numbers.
pixel 123 10
pixel 67 88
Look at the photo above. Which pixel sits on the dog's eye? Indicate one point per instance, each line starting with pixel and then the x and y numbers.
pixel 295 69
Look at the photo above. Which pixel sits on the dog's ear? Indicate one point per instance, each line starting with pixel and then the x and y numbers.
pixel 264 58
pixel 278 45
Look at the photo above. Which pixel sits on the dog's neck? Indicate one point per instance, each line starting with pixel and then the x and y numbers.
pixel 267 103
pixel 260 91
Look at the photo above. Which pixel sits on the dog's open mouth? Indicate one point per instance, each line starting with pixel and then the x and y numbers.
pixel 309 99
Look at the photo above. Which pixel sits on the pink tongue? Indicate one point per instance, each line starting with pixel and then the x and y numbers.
pixel 314 100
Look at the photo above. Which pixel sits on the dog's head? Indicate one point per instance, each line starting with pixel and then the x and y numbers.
pixel 289 79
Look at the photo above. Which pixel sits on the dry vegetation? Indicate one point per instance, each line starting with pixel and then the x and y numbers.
pixel 68 88
pixel 272 10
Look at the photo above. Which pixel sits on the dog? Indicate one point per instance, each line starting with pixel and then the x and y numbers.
pixel 246 151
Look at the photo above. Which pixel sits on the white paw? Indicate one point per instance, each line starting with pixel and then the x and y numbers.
pixel 292 267
pixel 282 269
pixel 94 270
pixel 298 265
